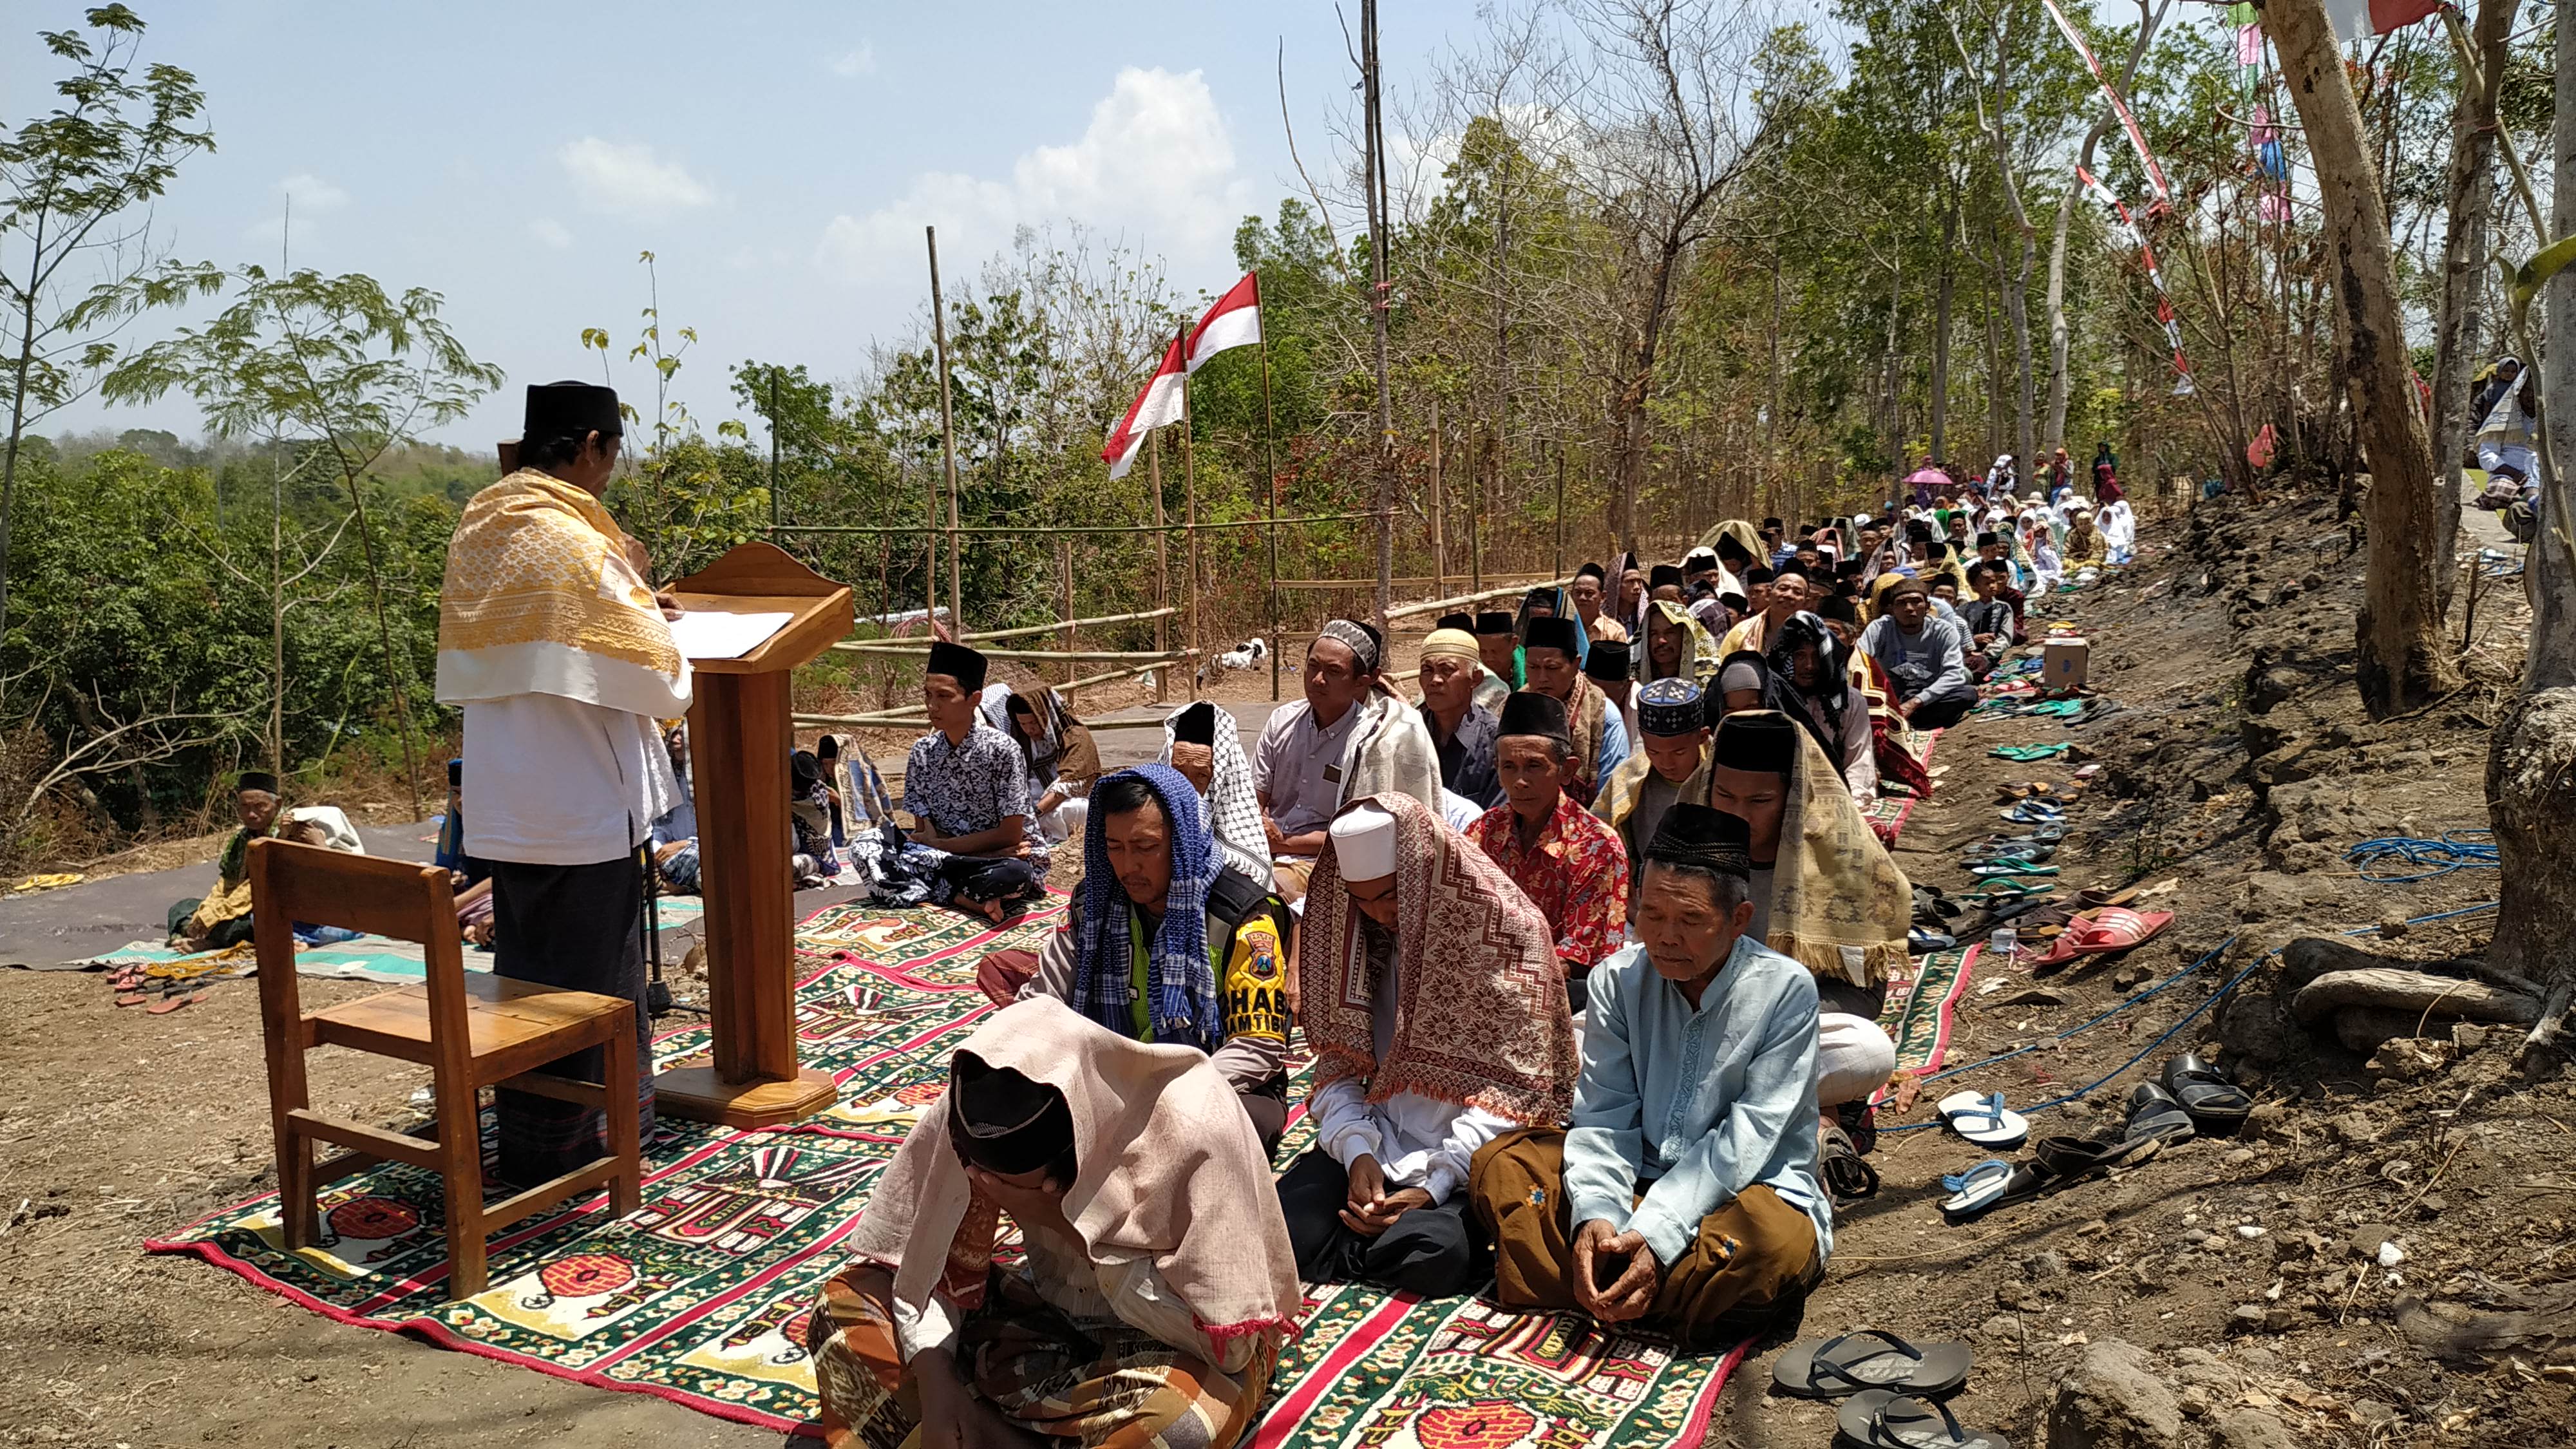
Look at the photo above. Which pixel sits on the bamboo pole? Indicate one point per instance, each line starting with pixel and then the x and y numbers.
pixel 947 436
pixel 1162 561
pixel 1026 630
pixel 1560 510
pixel 1073 530
pixel 902 649
pixel 1190 515
pixel 1439 543
pixel 1270 483
pixel 1475 547
pixel 1064 571
pixel 913 714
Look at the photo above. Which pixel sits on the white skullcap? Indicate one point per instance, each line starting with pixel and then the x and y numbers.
pixel 1364 842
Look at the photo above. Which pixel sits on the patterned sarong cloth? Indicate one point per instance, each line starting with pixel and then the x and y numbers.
pixel 540 598
pixel 1481 1015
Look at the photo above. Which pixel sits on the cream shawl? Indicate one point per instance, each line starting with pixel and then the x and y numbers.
pixel 1838 902
pixel 1168 1170
pixel 1390 752
pixel 540 598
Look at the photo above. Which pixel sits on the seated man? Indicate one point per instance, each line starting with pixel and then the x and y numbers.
pixel 1925 659
pixel 1992 630
pixel 1212 760
pixel 1349 737
pixel 675 832
pixel 1498 649
pixel 1824 893
pixel 1612 669
pixel 968 793
pixel 1570 865
pixel 1671 766
pixel 1157 1284
pixel 1684 1198
pixel 1552 653
pixel 1062 760
pixel 468 878
pixel 810 858
pixel 1166 944
pixel 1462 731
pixel 1436 1010
pixel 221 918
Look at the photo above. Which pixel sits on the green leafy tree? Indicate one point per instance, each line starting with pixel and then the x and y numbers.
pixel 69 179
pixel 336 365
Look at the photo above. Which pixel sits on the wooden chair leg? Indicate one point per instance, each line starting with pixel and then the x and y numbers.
pixel 460 1152
pixel 618 1080
pixel 300 1216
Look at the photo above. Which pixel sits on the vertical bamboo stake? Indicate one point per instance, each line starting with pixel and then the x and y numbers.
pixel 1475 547
pixel 947 439
pixel 1560 511
pixel 1162 566
pixel 1439 492
pixel 773 453
pixel 1270 471
pixel 1064 571
pixel 1190 526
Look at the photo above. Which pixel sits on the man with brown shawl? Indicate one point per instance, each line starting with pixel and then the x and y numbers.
pixel 1552 656
pixel 1157 1285
pixel 1436 1009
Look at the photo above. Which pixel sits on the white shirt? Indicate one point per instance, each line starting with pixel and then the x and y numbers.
pixel 553 781
pixel 1418 1141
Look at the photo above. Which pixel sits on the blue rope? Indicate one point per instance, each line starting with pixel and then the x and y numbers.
pixel 2456 850
pixel 2207 1002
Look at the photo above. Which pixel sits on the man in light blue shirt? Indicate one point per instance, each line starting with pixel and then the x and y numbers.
pixel 1685 1196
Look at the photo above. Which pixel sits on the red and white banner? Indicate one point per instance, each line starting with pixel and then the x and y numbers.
pixel 2127 228
pixel 1158 404
pixel 2361 19
pixel 2120 108
pixel 1235 321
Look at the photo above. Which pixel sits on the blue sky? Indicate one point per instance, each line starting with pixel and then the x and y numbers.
pixel 780 159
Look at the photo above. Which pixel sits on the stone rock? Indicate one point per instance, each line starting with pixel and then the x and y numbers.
pixel 2353 1129
pixel 2041 1266
pixel 2246 1428
pixel 2469 1036
pixel 2194 1402
pixel 2253 1028
pixel 2410 1058
pixel 2239 1156
pixel 2266 896
pixel 2249 1318
pixel 2393 926
pixel 2115 1398
pixel 2002 1328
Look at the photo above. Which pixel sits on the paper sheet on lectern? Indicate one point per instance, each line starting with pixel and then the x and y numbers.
pixel 714 634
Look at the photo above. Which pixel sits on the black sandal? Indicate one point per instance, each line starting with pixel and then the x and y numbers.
pixel 2153 1112
pixel 1819 1370
pixel 1879 1419
pixel 2216 1105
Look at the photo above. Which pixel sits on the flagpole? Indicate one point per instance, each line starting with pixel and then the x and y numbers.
pixel 1162 566
pixel 1190 525
pixel 947 442
pixel 1270 470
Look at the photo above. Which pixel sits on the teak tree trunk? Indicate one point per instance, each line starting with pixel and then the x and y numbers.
pixel 2469 198
pixel 2531 757
pixel 2402 662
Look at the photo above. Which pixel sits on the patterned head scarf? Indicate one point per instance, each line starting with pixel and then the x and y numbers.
pixel 1783 692
pixel 1181 992
pixel 1480 1018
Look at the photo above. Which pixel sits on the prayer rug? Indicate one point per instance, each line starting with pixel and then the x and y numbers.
pixel 702 1296
pixel 1922 1010
pixel 362 958
pixel 1887 814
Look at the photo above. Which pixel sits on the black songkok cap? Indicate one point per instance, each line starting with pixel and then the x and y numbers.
pixel 1594 570
pixel 1494 621
pixel 1528 712
pixel 259 780
pixel 455 773
pixel 804 771
pixel 1936 548
pixel 1696 836
pixel 1918 531
pixel 1608 661
pixel 1757 740
pixel 1837 607
pixel 957 662
pixel 1461 620
pixel 1728 547
pixel 569 410
pixel 1001 1121
pixel 1770 523
pixel 1757 575
pixel 1195 725
pixel 1551 633
pixel 1663 574
pixel 1988 539
pixel 1542 597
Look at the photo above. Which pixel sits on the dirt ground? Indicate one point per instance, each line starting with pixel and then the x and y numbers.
pixel 2249 1271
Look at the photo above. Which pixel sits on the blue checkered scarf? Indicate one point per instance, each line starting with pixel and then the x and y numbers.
pixel 1181 985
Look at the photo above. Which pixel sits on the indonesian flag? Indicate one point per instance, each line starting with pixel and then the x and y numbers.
pixel 2361 19
pixel 1235 321
pixel 1158 404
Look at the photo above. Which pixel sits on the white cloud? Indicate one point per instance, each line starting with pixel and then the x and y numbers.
pixel 311 193
pixel 859 60
pixel 630 179
pixel 1155 162
pixel 550 231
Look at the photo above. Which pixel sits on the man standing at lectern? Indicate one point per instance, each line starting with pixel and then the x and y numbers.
pixel 558 649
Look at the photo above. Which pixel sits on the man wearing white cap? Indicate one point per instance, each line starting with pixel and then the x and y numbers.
pixel 1436 1008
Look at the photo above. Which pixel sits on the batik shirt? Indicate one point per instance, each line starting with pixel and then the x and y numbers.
pixel 971 786
pixel 1576 873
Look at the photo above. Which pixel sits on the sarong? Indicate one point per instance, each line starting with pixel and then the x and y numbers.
pixel 579 927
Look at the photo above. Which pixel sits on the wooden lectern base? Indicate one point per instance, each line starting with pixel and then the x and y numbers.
pixel 697 1094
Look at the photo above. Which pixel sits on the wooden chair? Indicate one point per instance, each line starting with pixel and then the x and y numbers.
pixel 472 1032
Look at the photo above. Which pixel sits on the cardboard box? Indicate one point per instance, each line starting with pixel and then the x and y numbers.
pixel 2063 661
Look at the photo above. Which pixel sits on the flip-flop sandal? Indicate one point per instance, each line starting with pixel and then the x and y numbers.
pixel 2005 889
pixel 132 998
pixel 2010 866
pixel 174 1001
pixel 2217 1105
pixel 1929 899
pixel 2103 931
pixel 2025 1183
pixel 1970 1190
pixel 1920 942
pixel 2064 1159
pixel 2104 896
pixel 2032 812
pixel 1869 1358
pixel 1878 1419
pixel 1985 1120
pixel 2030 850
pixel 2153 1112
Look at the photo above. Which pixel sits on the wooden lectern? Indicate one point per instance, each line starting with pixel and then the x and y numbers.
pixel 739 739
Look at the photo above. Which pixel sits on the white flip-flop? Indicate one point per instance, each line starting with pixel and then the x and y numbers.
pixel 1979 1185
pixel 1984 1120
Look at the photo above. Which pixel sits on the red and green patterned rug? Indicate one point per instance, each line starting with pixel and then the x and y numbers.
pixel 701 1297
